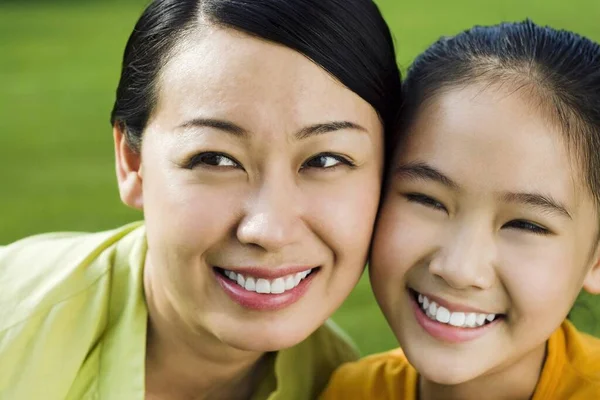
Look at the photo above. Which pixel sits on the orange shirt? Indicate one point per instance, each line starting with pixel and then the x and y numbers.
pixel 571 371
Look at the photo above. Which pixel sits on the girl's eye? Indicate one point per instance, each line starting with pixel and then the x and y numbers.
pixel 326 160
pixel 426 201
pixel 527 226
pixel 212 159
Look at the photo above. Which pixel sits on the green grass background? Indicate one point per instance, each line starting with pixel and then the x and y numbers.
pixel 59 66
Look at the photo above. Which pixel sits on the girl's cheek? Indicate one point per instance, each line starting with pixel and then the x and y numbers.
pixel 400 240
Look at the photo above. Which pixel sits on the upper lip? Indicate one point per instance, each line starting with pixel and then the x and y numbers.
pixel 455 307
pixel 268 272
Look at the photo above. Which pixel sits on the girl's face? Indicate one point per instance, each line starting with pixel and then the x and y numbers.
pixel 260 177
pixel 486 224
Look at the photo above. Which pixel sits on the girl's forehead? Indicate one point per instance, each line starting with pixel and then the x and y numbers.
pixel 491 137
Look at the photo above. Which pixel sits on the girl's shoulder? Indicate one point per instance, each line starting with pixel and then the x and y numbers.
pixel 582 353
pixel 572 367
pixel 386 375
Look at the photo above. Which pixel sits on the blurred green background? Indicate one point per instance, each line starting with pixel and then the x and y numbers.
pixel 59 66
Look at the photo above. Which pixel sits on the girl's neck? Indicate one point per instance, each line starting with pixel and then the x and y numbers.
pixel 515 382
pixel 186 364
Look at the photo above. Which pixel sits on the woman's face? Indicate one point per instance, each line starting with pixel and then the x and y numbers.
pixel 486 218
pixel 257 168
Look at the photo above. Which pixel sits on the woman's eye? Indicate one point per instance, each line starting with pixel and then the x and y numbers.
pixel 212 159
pixel 527 226
pixel 425 201
pixel 326 161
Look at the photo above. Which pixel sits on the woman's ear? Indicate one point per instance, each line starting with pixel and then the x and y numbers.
pixel 591 282
pixel 129 169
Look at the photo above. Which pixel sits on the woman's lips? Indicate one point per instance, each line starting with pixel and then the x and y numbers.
pixel 256 292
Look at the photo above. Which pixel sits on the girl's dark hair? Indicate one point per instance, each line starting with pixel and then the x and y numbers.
pixel 347 38
pixel 560 69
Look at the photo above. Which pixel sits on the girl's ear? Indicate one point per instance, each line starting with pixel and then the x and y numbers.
pixel 129 170
pixel 591 282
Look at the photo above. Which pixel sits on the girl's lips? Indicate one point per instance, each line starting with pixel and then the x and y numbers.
pixel 261 301
pixel 448 333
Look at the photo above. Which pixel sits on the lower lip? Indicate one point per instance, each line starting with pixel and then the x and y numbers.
pixel 448 333
pixel 263 301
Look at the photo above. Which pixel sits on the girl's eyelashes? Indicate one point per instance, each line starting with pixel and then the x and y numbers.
pixel 527 226
pixel 517 224
pixel 426 201
pixel 212 159
pixel 327 161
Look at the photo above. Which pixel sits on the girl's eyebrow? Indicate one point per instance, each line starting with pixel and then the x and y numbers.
pixel 424 171
pixel 236 130
pixel 544 202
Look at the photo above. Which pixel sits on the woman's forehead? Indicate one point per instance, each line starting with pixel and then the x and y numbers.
pixel 225 72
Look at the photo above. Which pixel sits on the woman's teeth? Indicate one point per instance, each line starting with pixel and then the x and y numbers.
pixel 458 319
pixel 266 286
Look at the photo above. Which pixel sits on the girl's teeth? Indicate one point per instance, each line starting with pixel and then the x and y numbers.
pixel 425 303
pixel 265 286
pixel 250 285
pixel 445 316
pixel 471 320
pixel 457 319
pixel 481 319
pixel 278 286
pixel 290 282
pixel 432 308
pixel 442 315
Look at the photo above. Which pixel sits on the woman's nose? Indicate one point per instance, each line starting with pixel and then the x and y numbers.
pixel 272 218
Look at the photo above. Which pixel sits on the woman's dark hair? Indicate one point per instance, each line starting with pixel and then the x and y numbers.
pixel 347 38
pixel 560 71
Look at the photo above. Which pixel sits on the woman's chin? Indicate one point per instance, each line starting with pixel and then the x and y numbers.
pixel 266 340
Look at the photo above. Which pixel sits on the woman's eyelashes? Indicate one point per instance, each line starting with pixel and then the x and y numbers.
pixel 212 159
pixel 219 160
pixel 327 161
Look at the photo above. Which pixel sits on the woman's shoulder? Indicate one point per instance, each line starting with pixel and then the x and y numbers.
pixel 54 300
pixel 382 376
pixel 302 371
pixel 44 270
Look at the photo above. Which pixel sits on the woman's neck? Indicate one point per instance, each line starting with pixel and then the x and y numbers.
pixel 516 382
pixel 182 363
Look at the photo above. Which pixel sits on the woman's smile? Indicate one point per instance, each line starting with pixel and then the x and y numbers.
pixel 266 289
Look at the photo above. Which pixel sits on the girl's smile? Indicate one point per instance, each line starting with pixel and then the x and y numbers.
pixel 450 322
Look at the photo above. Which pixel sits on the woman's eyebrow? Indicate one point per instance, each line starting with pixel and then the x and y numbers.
pixel 220 124
pixel 327 127
pixel 544 202
pixel 424 171
pixel 230 127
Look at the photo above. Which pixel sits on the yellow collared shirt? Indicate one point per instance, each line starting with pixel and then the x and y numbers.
pixel 73 324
